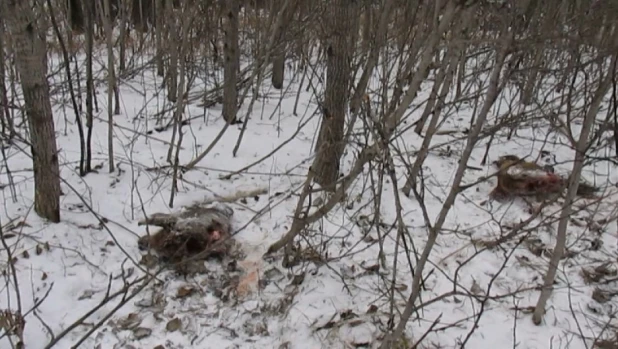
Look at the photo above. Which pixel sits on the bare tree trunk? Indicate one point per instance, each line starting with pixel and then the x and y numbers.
pixel 76 16
pixel 567 207
pixel 123 7
pixel 445 78
pixel 171 78
pixel 89 8
pixel 374 50
pixel 426 58
pixel 138 15
pixel 368 26
pixel 530 82
pixel 433 97
pixel 172 49
pixel 188 18
pixel 159 10
pixel 461 74
pixel 31 62
pixel 5 115
pixel 258 71
pixel 232 61
pixel 330 140
pixel 491 95
pixel 72 93
pixel 278 59
pixel 111 82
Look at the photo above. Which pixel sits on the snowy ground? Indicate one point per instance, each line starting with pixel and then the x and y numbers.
pixel 65 268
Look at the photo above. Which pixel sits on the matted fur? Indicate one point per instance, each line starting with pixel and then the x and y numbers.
pixel 187 234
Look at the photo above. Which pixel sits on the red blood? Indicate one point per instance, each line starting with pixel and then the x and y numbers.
pixel 554 178
pixel 215 235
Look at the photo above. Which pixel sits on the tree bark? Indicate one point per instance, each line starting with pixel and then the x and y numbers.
pixel 30 50
pixel 232 61
pixel 330 143
pixel 159 10
pixel 111 82
pixel 5 114
pixel 279 54
pixel 90 97
pixel 76 16
pixel 172 49
pixel 124 33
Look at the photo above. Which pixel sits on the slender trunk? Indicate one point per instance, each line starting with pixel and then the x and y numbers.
pixel 461 74
pixel 446 78
pixel 89 81
pixel 74 98
pixel 330 143
pixel 368 28
pixel 183 48
pixel 258 71
pixel 491 96
pixel 138 18
pixel 426 58
pixel 531 79
pixel 76 16
pixel 123 33
pixel 159 10
pixel 374 49
pixel 172 49
pixel 5 114
pixel 279 54
pixel 30 50
pixel 232 61
pixel 111 82
pixel 567 207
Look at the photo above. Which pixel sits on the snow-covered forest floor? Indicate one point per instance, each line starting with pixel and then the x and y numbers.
pixel 85 268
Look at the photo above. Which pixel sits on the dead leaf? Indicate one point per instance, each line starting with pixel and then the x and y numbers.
pixel 184 291
pixel 25 254
pixel 142 332
pixel 131 321
pixel 86 295
pixel 173 325
pixel 602 296
pixel 44 276
pixel 298 279
pixel 38 250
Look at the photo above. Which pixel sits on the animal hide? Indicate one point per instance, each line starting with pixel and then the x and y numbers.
pixel 197 232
